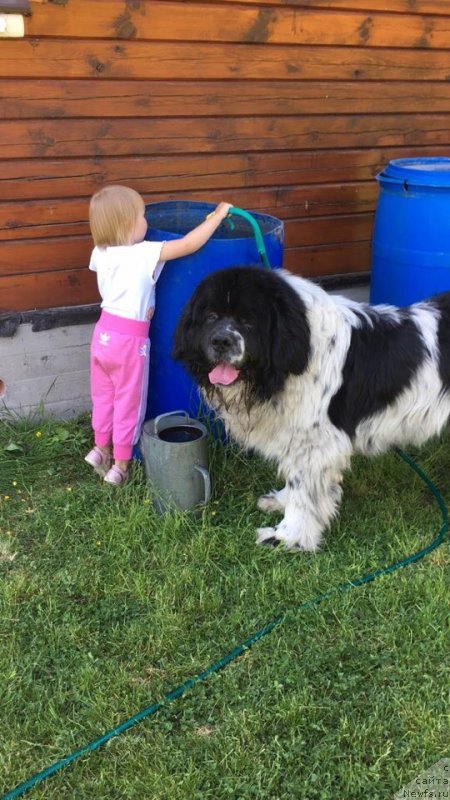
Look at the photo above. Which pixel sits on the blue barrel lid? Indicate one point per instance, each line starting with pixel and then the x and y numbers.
pixel 431 171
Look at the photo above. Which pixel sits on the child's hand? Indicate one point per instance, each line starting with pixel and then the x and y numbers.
pixel 222 210
pixel 178 248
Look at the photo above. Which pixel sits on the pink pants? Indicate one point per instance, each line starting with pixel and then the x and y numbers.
pixel 120 357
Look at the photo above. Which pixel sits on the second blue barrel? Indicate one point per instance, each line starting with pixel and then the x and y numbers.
pixel 233 244
pixel 411 237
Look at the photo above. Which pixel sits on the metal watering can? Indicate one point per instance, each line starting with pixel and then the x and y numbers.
pixel 174 449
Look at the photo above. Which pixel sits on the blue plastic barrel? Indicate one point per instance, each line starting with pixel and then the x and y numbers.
pixel 411 237
pixel 233 244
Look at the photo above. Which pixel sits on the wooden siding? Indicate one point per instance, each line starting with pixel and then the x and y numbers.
pixel 290 108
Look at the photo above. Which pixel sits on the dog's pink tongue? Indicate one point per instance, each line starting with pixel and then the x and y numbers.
pixel 223 374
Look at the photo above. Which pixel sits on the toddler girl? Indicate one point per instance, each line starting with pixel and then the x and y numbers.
pixel 127 269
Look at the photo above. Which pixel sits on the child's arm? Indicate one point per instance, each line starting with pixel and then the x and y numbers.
pixel 197 237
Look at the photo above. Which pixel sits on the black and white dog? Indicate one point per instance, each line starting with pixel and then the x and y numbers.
pixel 308 379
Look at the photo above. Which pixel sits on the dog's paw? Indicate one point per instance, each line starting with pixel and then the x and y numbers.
pixel 269 502
pixel 268 537
pixel 273 537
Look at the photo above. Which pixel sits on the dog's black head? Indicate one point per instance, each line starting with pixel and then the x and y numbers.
pixel 246 324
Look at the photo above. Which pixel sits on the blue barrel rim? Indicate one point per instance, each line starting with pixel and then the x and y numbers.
pixel 428 171
pixel 267 222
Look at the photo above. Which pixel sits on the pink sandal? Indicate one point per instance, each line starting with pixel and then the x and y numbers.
pixel 99 461
pixel 116 476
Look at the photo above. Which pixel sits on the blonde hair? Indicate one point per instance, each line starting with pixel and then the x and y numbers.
pixel 113 213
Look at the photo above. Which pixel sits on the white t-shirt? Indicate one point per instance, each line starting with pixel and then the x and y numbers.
pixel 126 278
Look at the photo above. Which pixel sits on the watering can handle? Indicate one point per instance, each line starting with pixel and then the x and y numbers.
pixel 180 412
pixel 207 481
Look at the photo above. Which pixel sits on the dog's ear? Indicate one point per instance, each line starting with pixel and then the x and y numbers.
pixel 184 333
pixel 290 333
pixel 187 347
pixel 283 321
pixel 284 339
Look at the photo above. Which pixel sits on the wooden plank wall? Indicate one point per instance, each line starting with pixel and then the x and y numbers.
pixel 285 107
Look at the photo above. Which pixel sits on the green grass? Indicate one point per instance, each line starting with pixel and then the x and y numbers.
pixel 105 607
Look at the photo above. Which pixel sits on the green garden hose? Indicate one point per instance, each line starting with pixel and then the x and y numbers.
pixel 238 651
pixel 256 232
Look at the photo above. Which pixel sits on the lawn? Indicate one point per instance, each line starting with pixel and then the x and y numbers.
pixel 106 607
